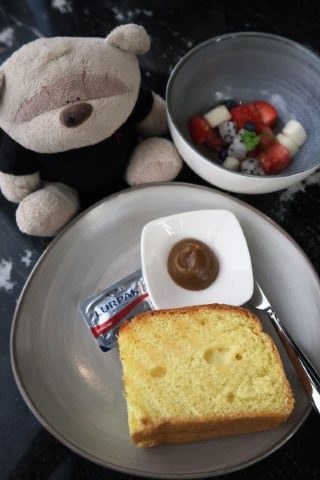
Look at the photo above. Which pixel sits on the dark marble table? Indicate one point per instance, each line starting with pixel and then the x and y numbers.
pixel 27 451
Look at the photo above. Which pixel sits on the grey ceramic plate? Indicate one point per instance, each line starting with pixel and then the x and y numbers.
pixel 76 391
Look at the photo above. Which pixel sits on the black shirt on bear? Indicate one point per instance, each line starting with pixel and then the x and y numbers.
pixel 94 171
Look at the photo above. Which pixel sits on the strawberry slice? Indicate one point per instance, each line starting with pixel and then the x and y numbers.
pixel 202 133
pixel 267 112
pixel 213 140
pixel 199 129
pixel 267 138
pixel 275 159
pixel 247 112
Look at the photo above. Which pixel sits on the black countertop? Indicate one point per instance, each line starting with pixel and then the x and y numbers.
pixel 27 451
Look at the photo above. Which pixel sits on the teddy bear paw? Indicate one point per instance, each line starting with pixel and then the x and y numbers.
pixel 153 160
pixel 15 187
pixel 46 211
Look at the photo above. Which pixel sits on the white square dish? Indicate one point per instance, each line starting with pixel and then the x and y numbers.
pixel 218 229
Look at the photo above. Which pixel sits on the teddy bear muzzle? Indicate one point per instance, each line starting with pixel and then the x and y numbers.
pixel 76 114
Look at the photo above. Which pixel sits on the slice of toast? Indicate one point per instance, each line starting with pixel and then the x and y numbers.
pixel 201 372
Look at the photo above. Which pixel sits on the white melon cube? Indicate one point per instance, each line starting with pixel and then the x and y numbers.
pixel 294 130
pixel 288 143
pixel 232 163
pixel 217 115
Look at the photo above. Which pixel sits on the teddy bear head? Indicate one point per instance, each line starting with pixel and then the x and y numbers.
pixel 62 93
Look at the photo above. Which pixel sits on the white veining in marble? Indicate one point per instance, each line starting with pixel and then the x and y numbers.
pixel 35 31
pixel 7 37
pixel 289 194
pixel 124 16
pixel 5 275
pixel 26 258
pixel 64 6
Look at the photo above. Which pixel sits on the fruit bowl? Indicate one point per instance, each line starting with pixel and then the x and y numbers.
pixel 247 66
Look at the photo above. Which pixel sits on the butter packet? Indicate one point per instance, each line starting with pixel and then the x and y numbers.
pixel 105 311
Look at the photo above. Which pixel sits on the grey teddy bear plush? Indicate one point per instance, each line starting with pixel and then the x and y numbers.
pixel 72 113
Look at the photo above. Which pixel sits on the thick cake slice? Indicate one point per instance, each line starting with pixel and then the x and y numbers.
pixel 201 372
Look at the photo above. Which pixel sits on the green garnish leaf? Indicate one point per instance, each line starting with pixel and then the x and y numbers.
pixel 250 139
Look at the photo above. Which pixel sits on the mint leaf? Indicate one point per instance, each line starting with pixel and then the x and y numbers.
pixel 250 139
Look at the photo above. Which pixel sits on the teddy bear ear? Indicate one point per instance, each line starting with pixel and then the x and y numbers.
pixel 1 78
pixel 130 38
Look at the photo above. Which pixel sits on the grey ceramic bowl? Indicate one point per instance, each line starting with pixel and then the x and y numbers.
pixel 247 66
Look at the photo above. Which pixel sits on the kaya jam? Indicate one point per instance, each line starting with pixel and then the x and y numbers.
pixel 192 264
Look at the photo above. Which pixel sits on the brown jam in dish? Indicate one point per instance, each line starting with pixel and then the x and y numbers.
pixel 192 264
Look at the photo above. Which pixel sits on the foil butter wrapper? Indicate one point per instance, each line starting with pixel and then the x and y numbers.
pixel 105 311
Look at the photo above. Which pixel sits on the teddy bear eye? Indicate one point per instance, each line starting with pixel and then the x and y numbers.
pixel 78 98
pixel 68 101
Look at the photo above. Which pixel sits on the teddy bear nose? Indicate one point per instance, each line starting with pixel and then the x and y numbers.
pixel 76 114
